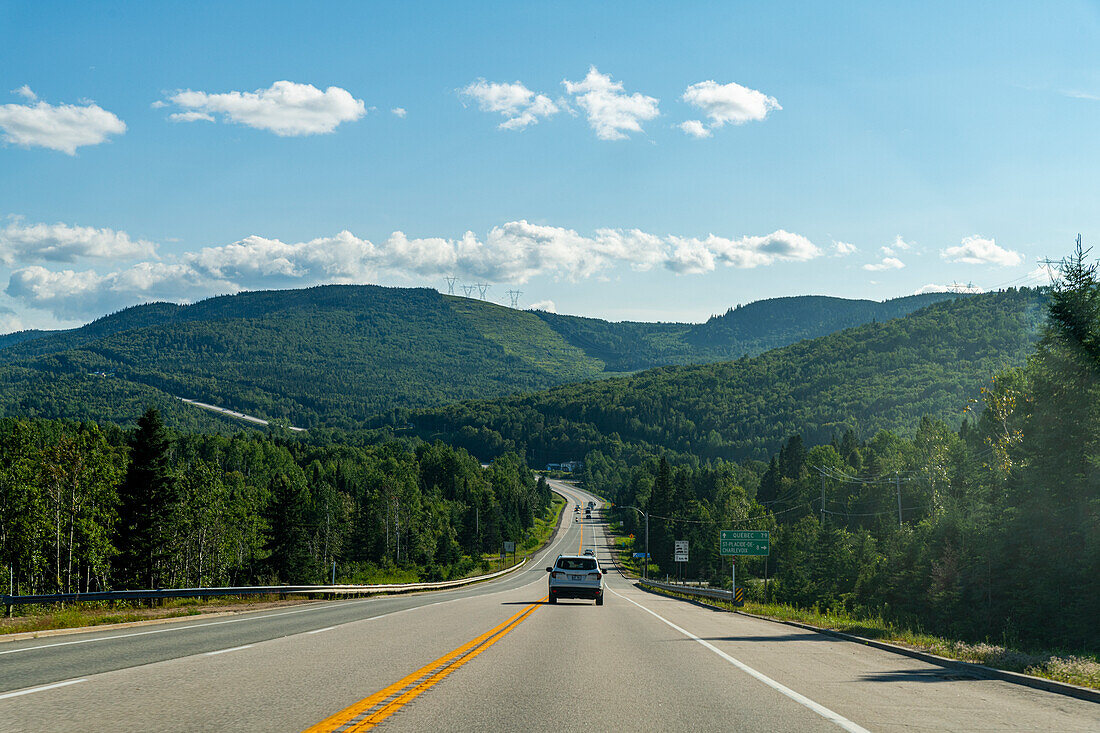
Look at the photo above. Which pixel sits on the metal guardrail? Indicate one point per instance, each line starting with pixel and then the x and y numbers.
pixel 714 593
pixel 251 590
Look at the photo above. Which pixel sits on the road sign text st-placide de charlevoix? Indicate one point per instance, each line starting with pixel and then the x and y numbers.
pixel 745 542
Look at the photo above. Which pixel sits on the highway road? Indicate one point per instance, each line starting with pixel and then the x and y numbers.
pixel 495 657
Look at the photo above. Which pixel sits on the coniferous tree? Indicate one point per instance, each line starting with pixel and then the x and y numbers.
pixel 290 556
pixel 147 500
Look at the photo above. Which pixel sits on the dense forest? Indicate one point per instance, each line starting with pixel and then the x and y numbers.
pixel 84 507
pixel 337 355
pixel 986 531
pixel 884 375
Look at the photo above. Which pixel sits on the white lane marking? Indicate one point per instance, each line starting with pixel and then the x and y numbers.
pixel 258 618
pixel 43 688
pixel 231 649
pixel 318 631
pixel 801 699
pixel 178 628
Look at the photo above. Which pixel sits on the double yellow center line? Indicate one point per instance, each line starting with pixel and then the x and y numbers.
pixel 370 711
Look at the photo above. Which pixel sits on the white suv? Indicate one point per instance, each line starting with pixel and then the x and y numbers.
pixel 576 576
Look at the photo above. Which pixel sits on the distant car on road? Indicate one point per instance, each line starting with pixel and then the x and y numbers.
pixel 590 552
pixel 576 576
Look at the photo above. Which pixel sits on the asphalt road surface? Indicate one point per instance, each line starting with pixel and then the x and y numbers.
pixel 496 657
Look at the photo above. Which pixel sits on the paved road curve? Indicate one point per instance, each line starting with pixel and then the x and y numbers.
pixel 495 657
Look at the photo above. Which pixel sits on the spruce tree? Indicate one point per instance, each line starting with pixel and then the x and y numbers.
pixel 147 502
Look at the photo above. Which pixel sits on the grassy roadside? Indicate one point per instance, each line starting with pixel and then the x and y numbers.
pixel 98 613
pixel 1075 669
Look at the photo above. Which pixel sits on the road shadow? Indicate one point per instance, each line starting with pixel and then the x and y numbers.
pixel 922 675
pixel 579 602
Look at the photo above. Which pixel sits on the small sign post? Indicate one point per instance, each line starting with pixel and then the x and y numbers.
pixel 680 556
pixel 510 547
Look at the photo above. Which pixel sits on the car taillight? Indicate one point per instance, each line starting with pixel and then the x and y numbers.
pixel 556 574
pixel 595 575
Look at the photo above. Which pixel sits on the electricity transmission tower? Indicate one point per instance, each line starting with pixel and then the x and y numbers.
pixel 467 289
pixel 483 288
pixel 514 295
pixel 450 284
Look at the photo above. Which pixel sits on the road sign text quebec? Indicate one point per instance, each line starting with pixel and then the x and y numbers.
pixel 745 542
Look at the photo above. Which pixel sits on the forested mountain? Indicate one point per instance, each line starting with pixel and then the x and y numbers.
pixel 742 331
pixel 872 377
pixel 337 355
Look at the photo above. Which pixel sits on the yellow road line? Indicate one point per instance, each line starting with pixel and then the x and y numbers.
pixel 356 717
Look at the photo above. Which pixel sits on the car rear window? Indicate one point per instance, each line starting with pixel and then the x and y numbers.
pixel 576 563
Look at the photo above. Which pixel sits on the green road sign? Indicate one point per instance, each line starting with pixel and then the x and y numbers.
pixel 745 542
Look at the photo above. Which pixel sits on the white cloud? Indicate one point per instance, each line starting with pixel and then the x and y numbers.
pixel 898 245
pixel 695 128
pixel 191 117
pixel 69 294
pixel 543 305
pixel 977 250
pixel 519 105
pixel 611 112
pixel 257 261
pixel 1077 94
pixel 25 243
pixel 843 249
pixel 952 288
pixel 400 112
pixel 285 108
pixel 64 127
pixel 513 252
pixel 728 103
pixel 888 263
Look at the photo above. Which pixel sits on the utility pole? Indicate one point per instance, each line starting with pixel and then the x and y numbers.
pixel 897 482
pixel 645 566
pixel 823 499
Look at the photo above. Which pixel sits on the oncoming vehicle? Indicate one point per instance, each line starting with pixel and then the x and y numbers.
pixel 576 576
pixel 590 552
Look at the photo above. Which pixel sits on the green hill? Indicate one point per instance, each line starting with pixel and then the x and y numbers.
pixel 875 376
pixel 742 331
pixel 338 355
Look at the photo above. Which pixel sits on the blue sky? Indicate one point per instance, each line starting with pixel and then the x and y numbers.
pixel 938 143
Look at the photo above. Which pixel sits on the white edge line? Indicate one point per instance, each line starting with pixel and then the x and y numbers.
pixel 231 649
pixel 318 631
pixel 43 688
pixel 821 710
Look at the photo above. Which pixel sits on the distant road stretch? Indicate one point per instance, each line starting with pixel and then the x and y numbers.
pixel 233 413
pixel 495 657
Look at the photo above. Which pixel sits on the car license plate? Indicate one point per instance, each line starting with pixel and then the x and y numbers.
pixel 576 577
